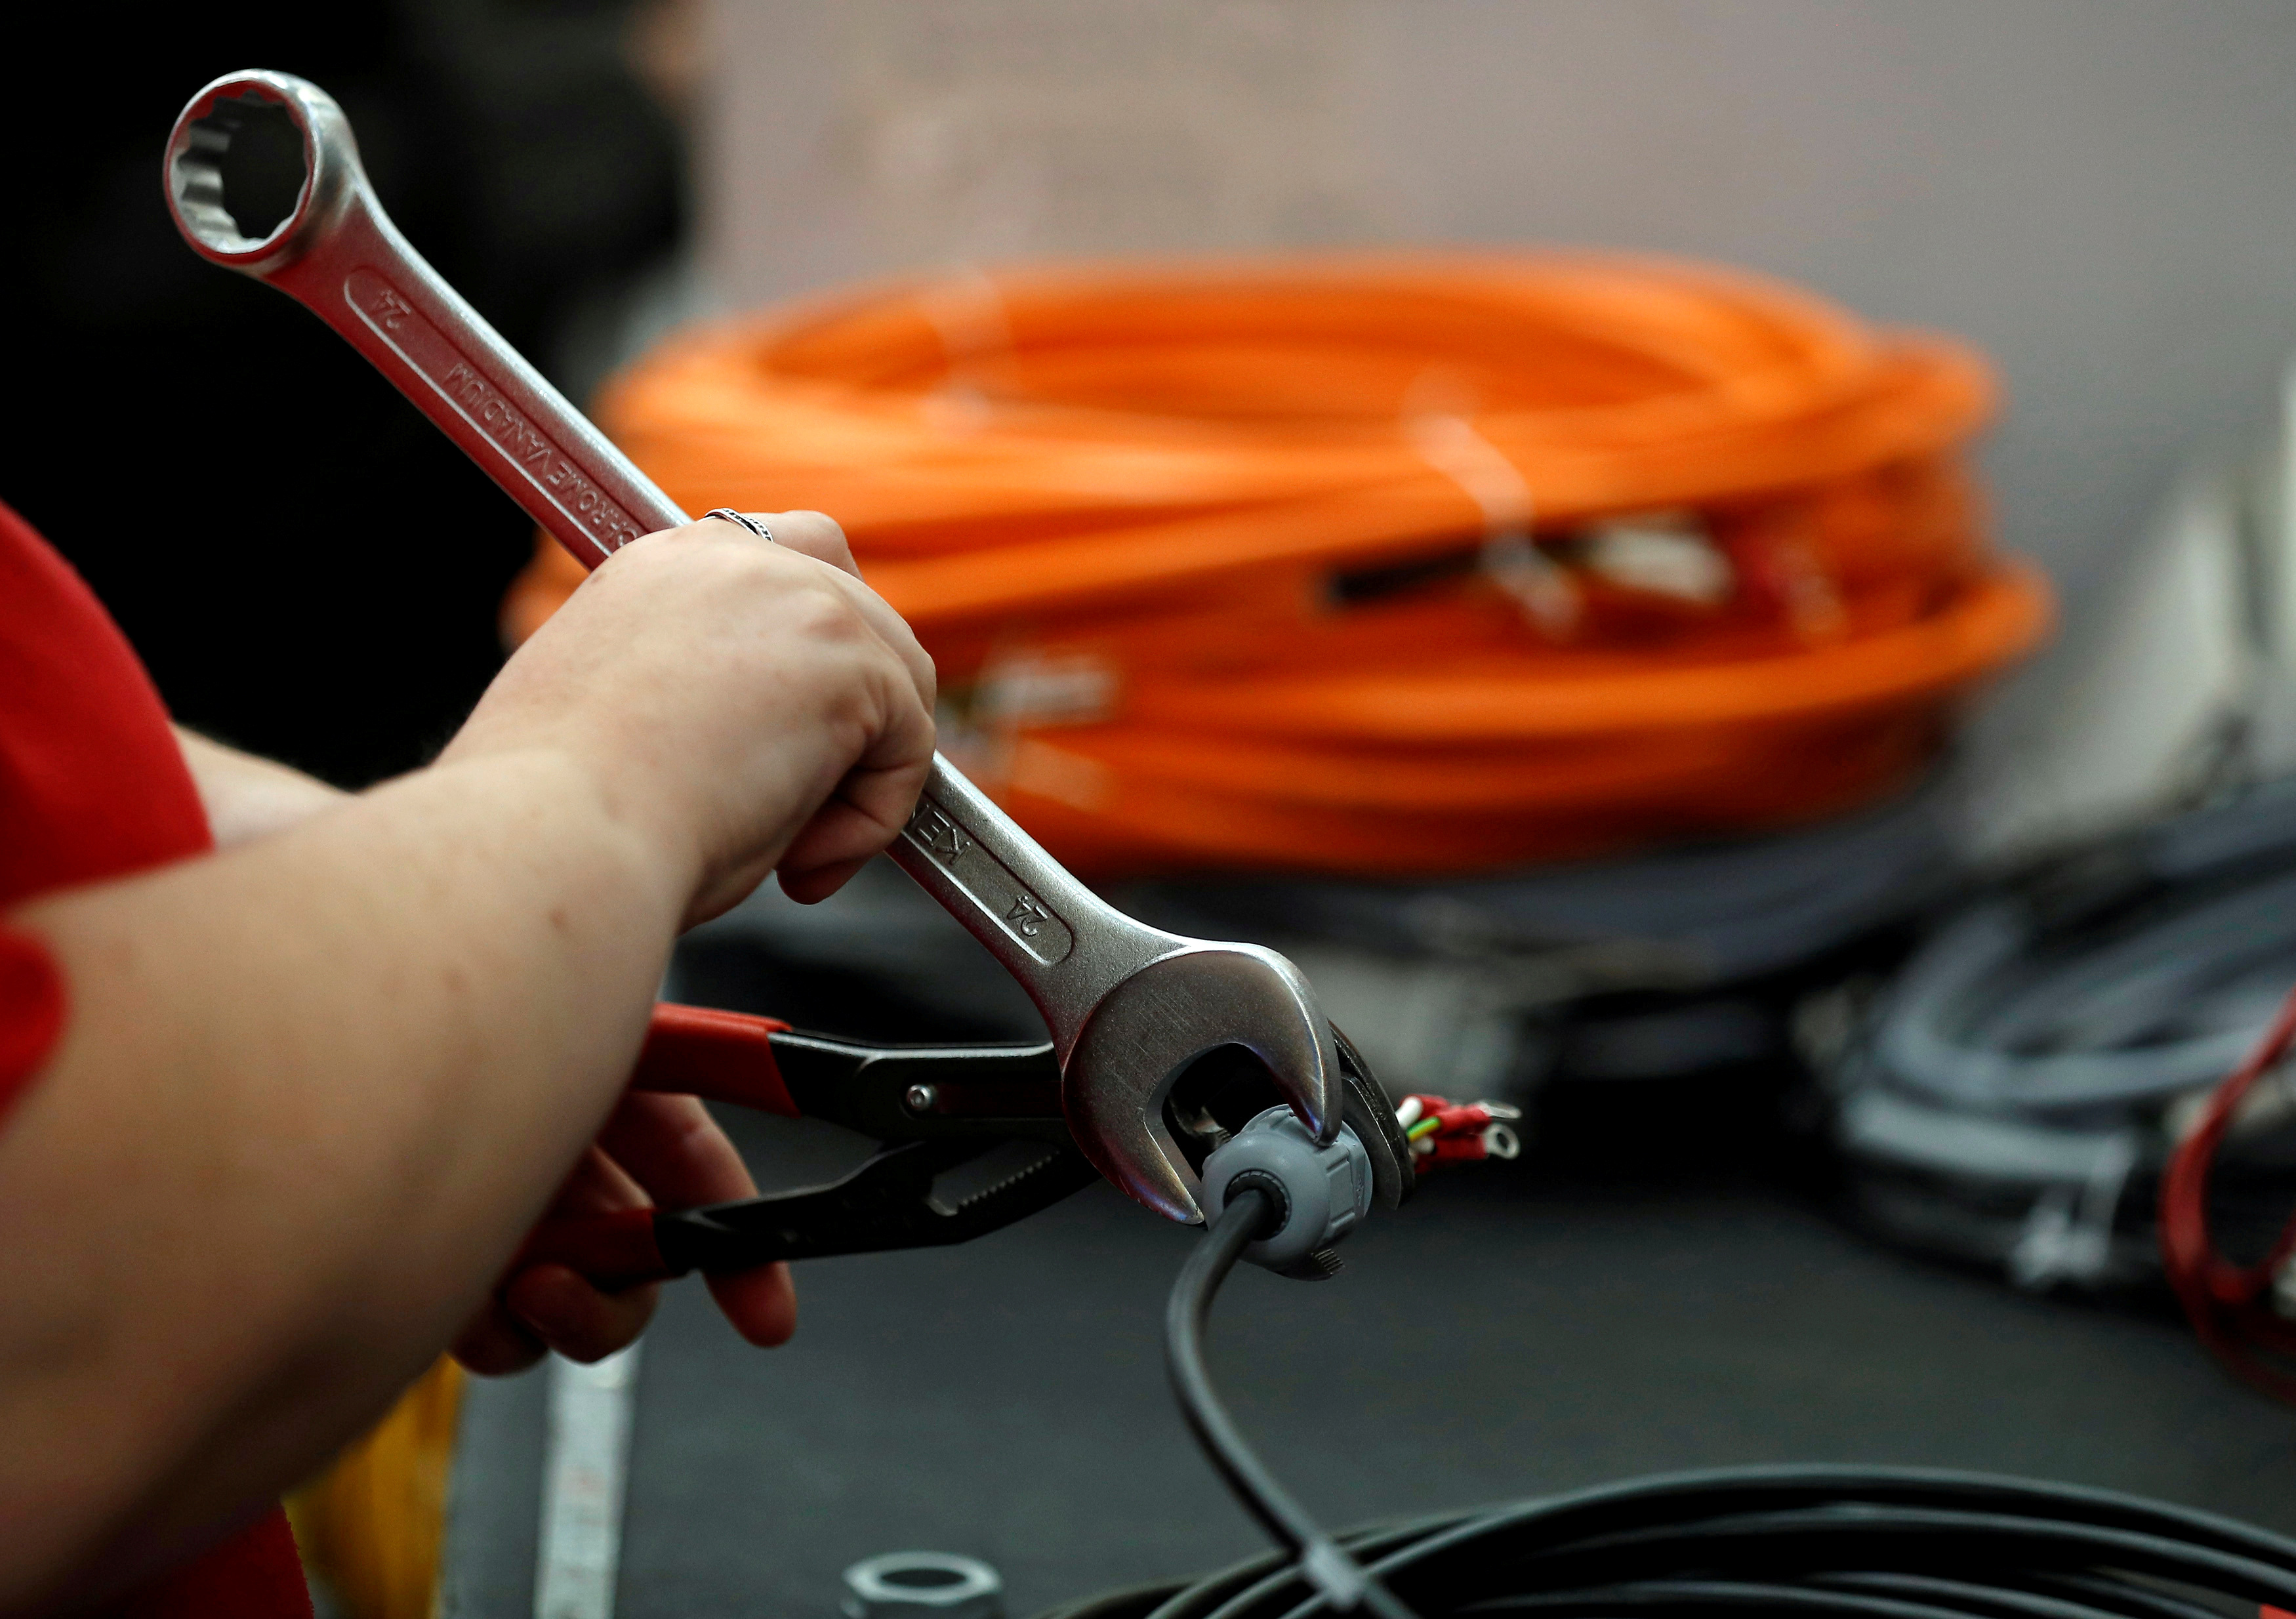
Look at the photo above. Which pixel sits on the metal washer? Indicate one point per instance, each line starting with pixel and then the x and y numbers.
pixel 916 1584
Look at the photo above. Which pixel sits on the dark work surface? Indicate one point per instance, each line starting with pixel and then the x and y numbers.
pixel 494 1507
pixel 1513 1331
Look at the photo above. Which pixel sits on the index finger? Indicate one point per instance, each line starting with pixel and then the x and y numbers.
pixel 817 535
pixel 814 534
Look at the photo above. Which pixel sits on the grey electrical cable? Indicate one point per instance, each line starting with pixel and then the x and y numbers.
pixel 1719 912
pixel 2013 1094
pixel 2133 973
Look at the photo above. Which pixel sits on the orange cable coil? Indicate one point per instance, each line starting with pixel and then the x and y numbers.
pixel 1379 565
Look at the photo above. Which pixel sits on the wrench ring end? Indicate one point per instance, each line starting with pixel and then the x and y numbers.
pixel 193 174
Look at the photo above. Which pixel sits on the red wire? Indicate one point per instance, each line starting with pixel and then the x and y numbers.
pixel 2224 1301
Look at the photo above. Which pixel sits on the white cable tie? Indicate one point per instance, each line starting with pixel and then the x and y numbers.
pixel 1511 557
pixel 967 311
pixel 1333 1572
pixel 1544 589
pixel 1453 447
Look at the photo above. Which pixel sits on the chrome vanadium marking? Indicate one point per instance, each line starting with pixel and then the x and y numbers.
pixel 989 883
pixel 603 525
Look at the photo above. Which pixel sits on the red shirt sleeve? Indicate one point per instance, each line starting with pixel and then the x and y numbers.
pixel 31 1013
pixel 91 782
pixel 254 1574
pixel 94 786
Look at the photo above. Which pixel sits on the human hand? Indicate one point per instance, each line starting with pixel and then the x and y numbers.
pixel 749 706
pixel 655 1148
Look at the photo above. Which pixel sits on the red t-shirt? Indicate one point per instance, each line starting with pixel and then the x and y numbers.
pixel 93 786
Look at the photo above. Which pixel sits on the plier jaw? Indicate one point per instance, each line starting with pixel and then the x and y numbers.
pixel 891 1202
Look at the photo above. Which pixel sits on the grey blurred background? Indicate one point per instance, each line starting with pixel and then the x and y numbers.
pixel 2088 190
pixel 2091 190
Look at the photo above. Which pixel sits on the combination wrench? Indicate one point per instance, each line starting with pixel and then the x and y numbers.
pixel 1129 1006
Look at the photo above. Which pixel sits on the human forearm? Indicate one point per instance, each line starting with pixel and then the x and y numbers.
pixel 247 797
pixel 490 936
pixel 313 1089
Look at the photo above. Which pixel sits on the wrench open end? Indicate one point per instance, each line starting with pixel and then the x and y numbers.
pixel 247 166
pixel 1150 1026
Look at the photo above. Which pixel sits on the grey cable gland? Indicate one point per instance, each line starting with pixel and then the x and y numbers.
pixel 1324 1190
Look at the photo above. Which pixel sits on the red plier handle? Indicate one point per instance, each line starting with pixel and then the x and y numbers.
pixel 728 1057
pixel 934 1107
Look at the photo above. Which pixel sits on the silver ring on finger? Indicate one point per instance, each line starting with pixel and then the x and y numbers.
pixel 744 520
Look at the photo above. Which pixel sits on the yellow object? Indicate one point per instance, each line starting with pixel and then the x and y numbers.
pixel 374 1524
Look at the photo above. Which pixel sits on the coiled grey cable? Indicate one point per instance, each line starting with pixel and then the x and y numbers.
pixel 2015 1091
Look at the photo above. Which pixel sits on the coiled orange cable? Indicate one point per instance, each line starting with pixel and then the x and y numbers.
pixel 1377 564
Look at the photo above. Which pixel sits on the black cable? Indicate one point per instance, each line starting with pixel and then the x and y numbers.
pixel 1824 1542
pixel 1340 1583
pixel 1814 1542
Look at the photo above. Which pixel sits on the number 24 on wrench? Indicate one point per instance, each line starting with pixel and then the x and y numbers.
pixel 1128 1005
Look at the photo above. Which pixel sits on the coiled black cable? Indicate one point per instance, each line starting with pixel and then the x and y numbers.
pixel 1822 1542
pixel 1832 1542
